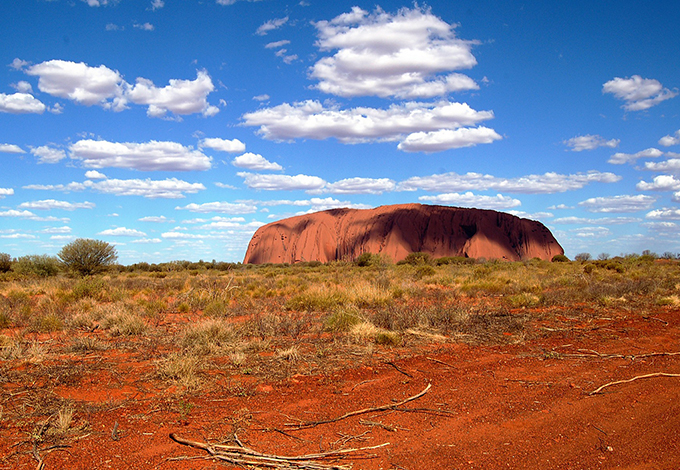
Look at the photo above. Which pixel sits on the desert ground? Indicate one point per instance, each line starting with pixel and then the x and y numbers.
pixel 450 364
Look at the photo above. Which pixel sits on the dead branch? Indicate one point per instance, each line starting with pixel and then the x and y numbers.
pixel 441 362
pixel 311 424
pixel 632 357
pixel 647 376
pixel 244 456
pixel 401 371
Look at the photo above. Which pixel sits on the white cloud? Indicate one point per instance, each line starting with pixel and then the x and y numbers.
pixel 264 97
pixel 47 154
pixel 253 161
pixel 94 175
pixel 11 148
pixel 401 55
pixel 61 230
pixel 23 87
pixel 445 139
pixel 149 156
pixel 621 158
pixel 660 183
pixel 20 103
pixel 157 4
pixel 311 120
pixel 547 183
pixel 99 3
pixel 18 64
pixel 672 165
pixel 623 203
pixel 81 83
pixel 219 207
pixel 469 199
pixel 224 145
pixel 67 188
pixel 638 93
pixel 52 204
pixel 361 186
pixel 590 142
pixel 169 188
pixel 560 206
pixel 288 59
pixel 156 219
pixel 112 27
pixel 282 182
pixel 144 26
pixel 533 216
pixel 277 44
pixel 323 204
pixel 31 216
pixel 182 236
pixel 600 221
pixel 147 240
pixel 592 232
pixel 669 140
pixel 6 192
pixel 179 97
pixel 664 214
pixel 122 232
pixel 271 25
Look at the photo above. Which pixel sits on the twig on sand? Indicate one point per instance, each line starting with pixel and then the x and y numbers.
pixel 441 362
pixel 632 357
pixel 646 376
pixel 401 371
pixel 311 424
pixel 243 456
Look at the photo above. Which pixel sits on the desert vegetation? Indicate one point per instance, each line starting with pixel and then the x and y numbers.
pixel 194 328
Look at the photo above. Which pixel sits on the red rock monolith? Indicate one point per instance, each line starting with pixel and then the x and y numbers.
pixel 397 230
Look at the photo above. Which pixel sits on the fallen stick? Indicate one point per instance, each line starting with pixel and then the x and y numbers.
pixel 311 424
pixel 593 353
pixel 647 376
pixel 246 456
pixel 441 362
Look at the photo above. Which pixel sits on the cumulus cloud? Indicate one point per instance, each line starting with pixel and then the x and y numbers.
pixel 81 83
pixel 664 214
pixel 122 232
pixel 170 188
pixel 403 55
pixel 669 140
pixel 60 230
pixel 660 183
pixel 102 86
pixel 311 120
pixel 94 175
pixel 271 25
pixel 47 154
pixel 52 204
pixel 264 97
pixel 148 156
pixel 622 203
pixel 224 145
pixel 600 221
pixel 20 103
pixel 590 142
pixel 592 232
pixel 6 192
pixel 179 97
pixel 282 182
pixel 31 216
pixel 23 87
pixel 219 207
pixel 157 4
pixel 445 139
pixel 361 186
pixel 18 64
pixel 621 158
pixel 672 165
pixel 156 219
pixel 638 93
pixel 253 161
pixel 547 183
pixel 469 199
pixel 11 148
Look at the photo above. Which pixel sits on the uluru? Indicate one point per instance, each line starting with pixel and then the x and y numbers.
pixel 397 230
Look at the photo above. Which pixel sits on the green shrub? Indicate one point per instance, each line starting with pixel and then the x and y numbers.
pixel 5 262
pixel 36 265
pixel 342 320
pixel 416 259
pixel 559 259
pixel 86 256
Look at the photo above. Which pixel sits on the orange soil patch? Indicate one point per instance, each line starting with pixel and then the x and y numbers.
pixel 510 406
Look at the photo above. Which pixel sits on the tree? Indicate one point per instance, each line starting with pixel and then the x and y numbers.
pixel 5 262
pixel 582 257
pixel 87 256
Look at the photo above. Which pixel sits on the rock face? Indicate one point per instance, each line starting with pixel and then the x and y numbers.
pixel 396 231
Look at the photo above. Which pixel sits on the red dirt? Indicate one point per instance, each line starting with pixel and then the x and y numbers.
pixel 524 405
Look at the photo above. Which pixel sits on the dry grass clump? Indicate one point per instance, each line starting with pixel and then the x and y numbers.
pixel 121 319
pixel 180 368
pixel 208 338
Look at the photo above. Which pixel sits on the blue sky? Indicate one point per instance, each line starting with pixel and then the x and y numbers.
pixel 175 128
